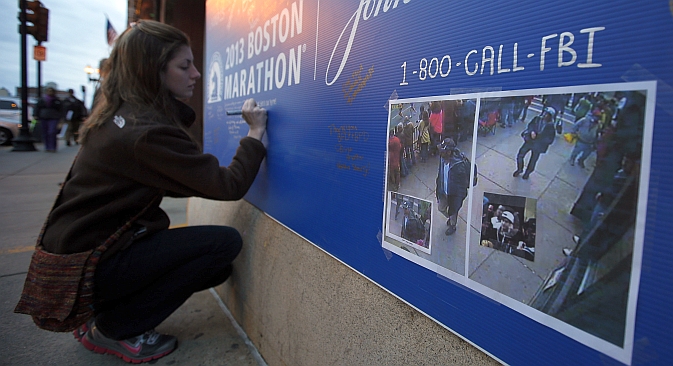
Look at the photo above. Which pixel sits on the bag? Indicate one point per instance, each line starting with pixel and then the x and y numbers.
pixel 63 129
pixel 570 137
pixel 476 176
pixel 414 230
pixel 58 292
pixel 476 172
pixel 59 288
pixel 404 168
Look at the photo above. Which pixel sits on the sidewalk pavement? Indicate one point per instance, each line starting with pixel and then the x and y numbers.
pixel 29 182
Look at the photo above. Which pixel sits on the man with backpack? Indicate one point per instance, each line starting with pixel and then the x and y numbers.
pixel 453 181
pixel 412 227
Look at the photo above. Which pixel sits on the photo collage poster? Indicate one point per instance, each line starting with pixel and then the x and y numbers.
pixel 534 198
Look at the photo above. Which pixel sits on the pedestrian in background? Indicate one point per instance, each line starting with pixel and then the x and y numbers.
pixel 49 111
pixel 394 161
pixel 582 107
pixel 450 118
pixel 436 118
pixel 424 135
pixel 507 106
pixel 527 101
pixel 586 131
pixel 74 114
pixel 136 149
pixel 408 142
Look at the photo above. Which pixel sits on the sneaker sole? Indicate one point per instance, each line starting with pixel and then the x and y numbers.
pixel 102 350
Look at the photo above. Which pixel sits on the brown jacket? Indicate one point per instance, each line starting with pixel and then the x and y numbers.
pixel 124 164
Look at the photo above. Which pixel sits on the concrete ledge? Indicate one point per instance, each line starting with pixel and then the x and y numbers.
pixel 300 306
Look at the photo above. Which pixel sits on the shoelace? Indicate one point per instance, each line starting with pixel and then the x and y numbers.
pixel 150 337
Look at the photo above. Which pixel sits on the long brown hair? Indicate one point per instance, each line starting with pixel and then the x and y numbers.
pixel 136 67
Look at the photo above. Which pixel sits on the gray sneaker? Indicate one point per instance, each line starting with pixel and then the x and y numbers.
pixel 82 329
pixel 143 348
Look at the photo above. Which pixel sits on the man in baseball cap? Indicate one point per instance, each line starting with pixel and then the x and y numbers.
pixel 509 216
pixel 537 137
pixel 452 182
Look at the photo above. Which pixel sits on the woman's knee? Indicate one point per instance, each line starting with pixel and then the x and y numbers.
pixel 228 243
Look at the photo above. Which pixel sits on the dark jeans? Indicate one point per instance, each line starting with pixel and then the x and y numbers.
pixel 142 285
pixel 49 132
pixel 435 139
pixel 450 205
pixel 534 156
pixel 581 148
pixel 425 151
pixel 409 154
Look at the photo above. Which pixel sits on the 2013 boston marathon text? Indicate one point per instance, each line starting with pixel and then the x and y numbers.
pixel 555 50
pixel 275 71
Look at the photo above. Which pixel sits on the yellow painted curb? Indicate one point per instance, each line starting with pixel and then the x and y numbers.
pixel 27 248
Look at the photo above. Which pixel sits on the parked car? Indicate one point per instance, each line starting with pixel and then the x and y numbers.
pixel 9 128
pixel 10 107
pixel 10 119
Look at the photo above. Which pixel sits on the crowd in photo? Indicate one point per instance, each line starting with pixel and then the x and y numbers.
pixel 422 127
pixel 607 204
pixel 607 124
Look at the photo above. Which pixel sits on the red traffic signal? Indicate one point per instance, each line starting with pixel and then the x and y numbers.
pixel 38 15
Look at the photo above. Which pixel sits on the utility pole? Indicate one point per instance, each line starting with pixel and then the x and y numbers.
pixel 39 17
pixel 39 75
pixel 23 142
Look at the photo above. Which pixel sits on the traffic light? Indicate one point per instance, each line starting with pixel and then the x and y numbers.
pixel 38 15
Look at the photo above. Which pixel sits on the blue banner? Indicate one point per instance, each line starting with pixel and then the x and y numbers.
pixel 498 166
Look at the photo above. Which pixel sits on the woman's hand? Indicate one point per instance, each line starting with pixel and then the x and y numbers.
pixel 255 117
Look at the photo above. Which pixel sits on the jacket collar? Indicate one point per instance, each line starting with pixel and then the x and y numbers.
pixel 185 113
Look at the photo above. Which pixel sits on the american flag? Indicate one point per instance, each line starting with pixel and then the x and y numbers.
pixel 111 33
